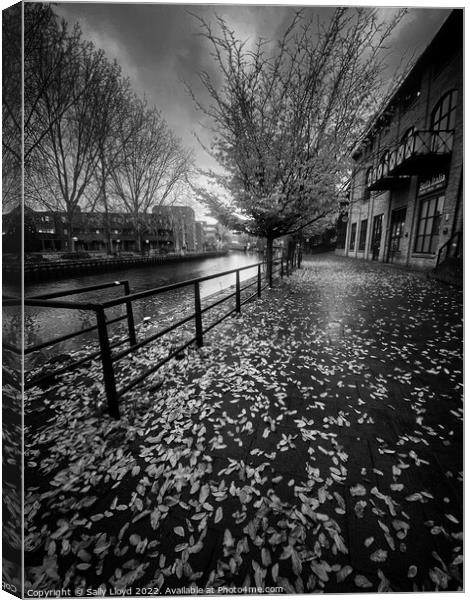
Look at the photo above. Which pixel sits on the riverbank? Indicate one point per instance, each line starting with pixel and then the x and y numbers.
pixel 58 269
pixel 314 445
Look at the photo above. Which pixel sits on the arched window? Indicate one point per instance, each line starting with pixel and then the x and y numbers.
pixel 408 142
pixel 383 165
pixel 443 115
pixel 408 134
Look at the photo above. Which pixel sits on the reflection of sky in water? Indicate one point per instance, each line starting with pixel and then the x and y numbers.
pixel 42 324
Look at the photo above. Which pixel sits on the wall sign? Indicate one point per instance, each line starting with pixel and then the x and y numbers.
pixel 434 183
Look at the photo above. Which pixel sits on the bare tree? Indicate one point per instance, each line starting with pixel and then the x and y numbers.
pixel 285 117
pixel 153 164
pixel 67 155
pixel 52 53
pixel 11 106
pixel 112 139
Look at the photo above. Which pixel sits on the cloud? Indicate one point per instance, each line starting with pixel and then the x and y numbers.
pixel 159 47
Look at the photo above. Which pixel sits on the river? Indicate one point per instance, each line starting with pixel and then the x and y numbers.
pixel 43 324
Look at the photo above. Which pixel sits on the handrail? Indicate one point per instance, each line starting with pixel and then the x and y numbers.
pixel 444 249
pixel 106 347
pixel 173 286
pixel 49 303
pixel 74 291
pixel 419 141
pixel 69 292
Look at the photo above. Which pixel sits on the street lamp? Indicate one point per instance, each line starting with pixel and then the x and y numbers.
pixel 117 244
pixel 148 247
pixel 74 241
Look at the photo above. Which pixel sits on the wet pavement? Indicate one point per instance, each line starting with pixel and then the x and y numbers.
pixel 314 444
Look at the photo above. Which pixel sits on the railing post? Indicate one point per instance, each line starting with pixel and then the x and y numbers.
pixel 107 362
pixel 237 293
pixel 282 267
pixel 271 266
pixel 198 315
pixel 259 281
pixel 130 317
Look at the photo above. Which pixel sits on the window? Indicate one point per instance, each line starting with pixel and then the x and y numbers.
pixel 376 236
pixel 352 239
pixel 362 235
pixel 427 235
pixel 443 115
pixel 384 163
pixel 408 140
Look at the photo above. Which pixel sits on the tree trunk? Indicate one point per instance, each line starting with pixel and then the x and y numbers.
pixel 269 261
pixel 107 228
pixel 70 243
pixel 138 234
pixel 299 255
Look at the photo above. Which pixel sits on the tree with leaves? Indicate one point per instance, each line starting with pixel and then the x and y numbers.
pixel 285 116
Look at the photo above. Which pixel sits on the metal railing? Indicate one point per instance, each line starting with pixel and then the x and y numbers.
pixel 419 143
pixel 451 248
pixel 109 351
pixel 50 301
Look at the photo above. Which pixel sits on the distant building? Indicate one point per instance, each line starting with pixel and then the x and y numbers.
pixel 167 228
pixel 211 236
pixel 180 220
pixel 405 198
pixel 199 235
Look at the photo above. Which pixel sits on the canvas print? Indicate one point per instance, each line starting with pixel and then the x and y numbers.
pixel 232 299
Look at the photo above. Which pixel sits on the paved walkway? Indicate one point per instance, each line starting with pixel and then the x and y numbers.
pixel 315 444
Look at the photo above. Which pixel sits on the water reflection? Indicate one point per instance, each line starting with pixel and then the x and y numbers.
pixel 42 324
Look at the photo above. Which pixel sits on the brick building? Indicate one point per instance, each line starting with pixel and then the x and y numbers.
pixel 405 194
pixel 170 228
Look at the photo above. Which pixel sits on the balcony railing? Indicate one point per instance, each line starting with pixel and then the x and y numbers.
pixel 380 178
pixel 422 153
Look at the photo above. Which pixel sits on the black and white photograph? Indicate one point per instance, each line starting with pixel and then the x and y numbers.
pixel 232 261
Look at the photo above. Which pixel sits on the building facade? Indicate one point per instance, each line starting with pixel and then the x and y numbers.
pixel 199 236
pixel 167 228
pixel 405 194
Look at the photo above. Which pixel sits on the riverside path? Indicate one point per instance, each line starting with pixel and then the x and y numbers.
pixel 314 444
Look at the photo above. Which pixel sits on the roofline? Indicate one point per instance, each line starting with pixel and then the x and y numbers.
pixel 407 77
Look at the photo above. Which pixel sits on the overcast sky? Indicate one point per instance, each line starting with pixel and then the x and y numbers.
pixel 159 48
